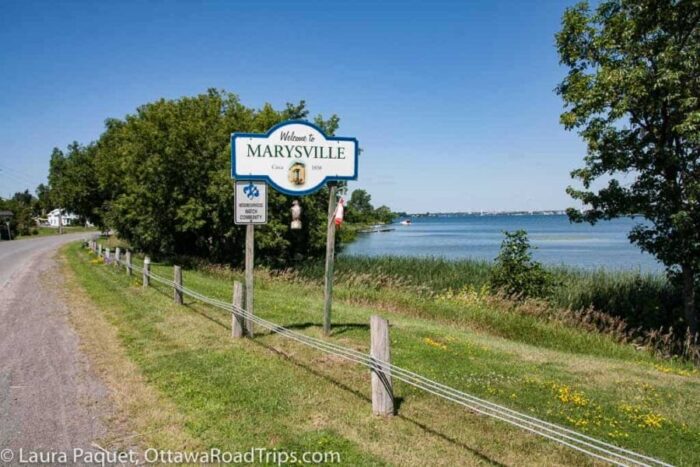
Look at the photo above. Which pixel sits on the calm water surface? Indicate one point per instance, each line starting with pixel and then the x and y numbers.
pixel 558 241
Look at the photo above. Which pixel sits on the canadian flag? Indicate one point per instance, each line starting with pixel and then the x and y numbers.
pixel 339 209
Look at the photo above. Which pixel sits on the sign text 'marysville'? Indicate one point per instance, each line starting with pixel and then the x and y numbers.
pixel 295 157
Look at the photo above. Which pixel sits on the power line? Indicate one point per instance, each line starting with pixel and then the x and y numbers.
pixel 16 173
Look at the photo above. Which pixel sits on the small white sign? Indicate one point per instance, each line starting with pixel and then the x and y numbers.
pixel 294 157
pixel 250 202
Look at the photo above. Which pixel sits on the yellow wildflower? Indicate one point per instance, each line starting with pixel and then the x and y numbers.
pixel 434 343
pixel 652 420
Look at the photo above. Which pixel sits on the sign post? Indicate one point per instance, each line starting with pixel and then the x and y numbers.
pixel 250 209
pixel 330 261
pixel 6 216
pixel 297 158
pixel 249 263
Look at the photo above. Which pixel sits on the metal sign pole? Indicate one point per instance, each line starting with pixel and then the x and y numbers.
pixel 330 257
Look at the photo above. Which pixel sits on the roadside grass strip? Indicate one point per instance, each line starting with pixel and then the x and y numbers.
pixel 487 369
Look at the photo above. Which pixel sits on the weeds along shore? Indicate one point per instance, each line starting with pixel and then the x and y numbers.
pixel 643 309
pixel 640 308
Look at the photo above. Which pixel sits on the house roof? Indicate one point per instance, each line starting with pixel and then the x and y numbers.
pixel 65 214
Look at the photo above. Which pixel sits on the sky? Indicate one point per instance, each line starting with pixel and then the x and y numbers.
pixel 453 103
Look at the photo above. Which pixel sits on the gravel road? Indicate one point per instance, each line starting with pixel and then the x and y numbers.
pixel 49 399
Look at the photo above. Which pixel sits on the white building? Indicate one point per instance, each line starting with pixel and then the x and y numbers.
pixel 66 218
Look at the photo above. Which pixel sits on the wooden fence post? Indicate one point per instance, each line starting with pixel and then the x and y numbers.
pixel 237 321
pixel 177 278
pixel 128 262
pixel 99 249
pixel 107 255
pixel 146 270
pixel 117 256
pixel 382 390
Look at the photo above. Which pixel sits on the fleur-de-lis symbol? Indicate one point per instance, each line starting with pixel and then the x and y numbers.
pixel 251 191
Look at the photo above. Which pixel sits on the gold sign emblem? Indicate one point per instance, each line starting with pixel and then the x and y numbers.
pixel 297 173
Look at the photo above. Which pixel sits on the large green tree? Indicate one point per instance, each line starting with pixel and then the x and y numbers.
pixel 164 173
pixel 633 93
pixel 73 184
pixel 360 207
pixel 22 205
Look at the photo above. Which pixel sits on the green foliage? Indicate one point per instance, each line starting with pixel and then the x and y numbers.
pixel 632 93
pixel 161 178
pixel 360 210
pixel 431 274
pixel 515 273
pixel 73 184
pixel 44 204
pixel 23 206
pixel 648 301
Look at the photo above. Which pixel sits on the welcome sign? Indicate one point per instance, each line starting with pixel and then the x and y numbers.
pixel 295 157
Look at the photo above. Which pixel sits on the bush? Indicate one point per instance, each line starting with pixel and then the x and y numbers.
pixel 516 274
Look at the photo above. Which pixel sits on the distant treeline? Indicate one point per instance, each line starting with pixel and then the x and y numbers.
pixel 26 209
pixel 161 178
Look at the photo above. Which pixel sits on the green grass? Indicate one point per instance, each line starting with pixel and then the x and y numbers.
pixel 641 299
pixel 47 231
pixel 276 393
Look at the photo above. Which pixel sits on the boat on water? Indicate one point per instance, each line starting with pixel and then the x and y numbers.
pixel 406 222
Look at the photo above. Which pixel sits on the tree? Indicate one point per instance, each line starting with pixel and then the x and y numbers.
pixel 633 93
pixel 384 214
pixel 515 273
pixel 22 205
pixel 360 209
pixel 73 182
pixel 164 175
pixel 43 205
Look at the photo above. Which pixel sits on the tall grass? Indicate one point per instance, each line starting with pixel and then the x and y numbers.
pixel 434 274
pixel 648 301
pixel 632 306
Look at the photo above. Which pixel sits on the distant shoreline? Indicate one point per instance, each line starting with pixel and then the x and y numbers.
pixel 487 213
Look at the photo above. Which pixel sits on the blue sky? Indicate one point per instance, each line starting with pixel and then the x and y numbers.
pixel 453 102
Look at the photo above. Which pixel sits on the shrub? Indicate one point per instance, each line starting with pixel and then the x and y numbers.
pixel 516 274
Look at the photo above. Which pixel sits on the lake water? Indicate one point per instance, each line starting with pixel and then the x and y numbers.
pixel 557 241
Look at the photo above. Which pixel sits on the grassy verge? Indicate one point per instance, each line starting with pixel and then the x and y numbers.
pixel 47 231
pixel 273 393
pixel 643 300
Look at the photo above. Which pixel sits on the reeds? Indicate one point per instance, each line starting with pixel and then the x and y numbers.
pixel 640 308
